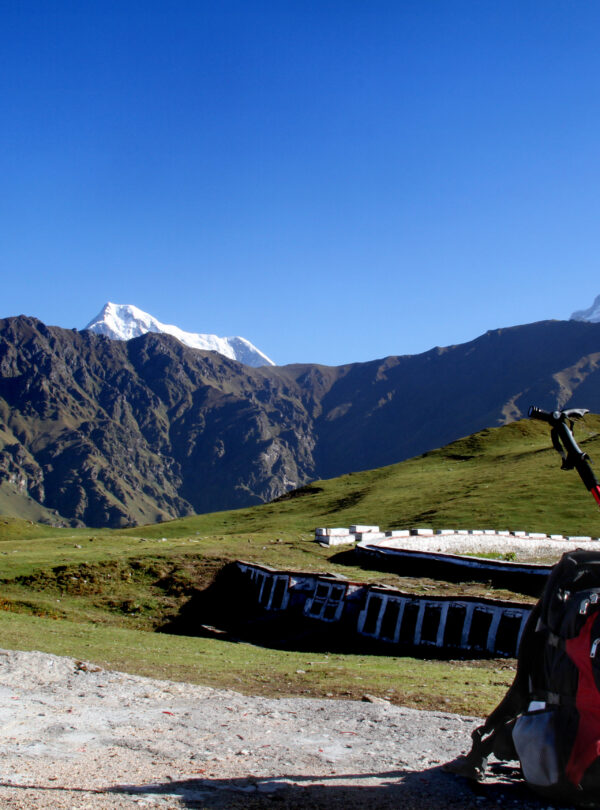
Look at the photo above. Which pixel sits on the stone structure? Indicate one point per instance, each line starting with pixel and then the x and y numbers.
pixel 401 621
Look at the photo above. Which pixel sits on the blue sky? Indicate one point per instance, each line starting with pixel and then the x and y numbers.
pixel 335 180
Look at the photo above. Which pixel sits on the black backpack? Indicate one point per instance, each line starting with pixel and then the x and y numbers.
pixel 550 717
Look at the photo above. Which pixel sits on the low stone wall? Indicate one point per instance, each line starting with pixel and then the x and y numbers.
pixel 358 534
pixel 398 620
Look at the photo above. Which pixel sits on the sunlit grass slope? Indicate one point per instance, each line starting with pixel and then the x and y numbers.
pixel 502 478
pixel 100 594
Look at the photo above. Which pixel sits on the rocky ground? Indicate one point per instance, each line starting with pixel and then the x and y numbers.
pixel 76 736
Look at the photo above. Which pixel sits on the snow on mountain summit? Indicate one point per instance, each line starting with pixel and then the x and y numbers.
pixel 591 314
pixel 124 321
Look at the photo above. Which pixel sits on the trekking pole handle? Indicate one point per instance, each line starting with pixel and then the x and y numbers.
pixel 571 454
pixel 564 442
pixel 545 416
pixel 555 417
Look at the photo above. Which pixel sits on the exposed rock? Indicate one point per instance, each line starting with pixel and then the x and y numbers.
pixel 110 433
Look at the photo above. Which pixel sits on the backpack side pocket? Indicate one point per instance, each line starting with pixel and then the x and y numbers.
pixel 534 736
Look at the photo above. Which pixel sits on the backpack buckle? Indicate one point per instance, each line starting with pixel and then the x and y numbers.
pixel 594 648
pixel 592 599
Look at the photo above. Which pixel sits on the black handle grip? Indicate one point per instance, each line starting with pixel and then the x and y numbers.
pixel 545 416
pixel 564 442
pixel 555 417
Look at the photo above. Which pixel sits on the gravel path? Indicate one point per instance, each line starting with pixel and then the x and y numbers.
pixel 75 736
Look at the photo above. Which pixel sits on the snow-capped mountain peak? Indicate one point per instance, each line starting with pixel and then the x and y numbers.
pixel 591 314
pixel 125 321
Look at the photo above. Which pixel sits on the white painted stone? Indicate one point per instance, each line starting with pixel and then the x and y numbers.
pixel 556 537
pixel 422 532
pixel 337 540
pixel 358 529
pixel 579 539
pixel 332 532
pixel 366 537
pixel 398 533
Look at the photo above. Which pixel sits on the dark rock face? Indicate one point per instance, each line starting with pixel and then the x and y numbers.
pixel 109 433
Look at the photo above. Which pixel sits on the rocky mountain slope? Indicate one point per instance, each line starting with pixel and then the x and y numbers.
pixel 106 432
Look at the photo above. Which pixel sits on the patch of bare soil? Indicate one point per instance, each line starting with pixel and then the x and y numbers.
pixel 75 736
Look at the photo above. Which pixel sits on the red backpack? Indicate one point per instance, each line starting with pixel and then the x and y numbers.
pixel 550 717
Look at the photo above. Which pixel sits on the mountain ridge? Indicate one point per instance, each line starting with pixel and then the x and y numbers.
pixel 103 432
pixel 126 321
pixel 591 314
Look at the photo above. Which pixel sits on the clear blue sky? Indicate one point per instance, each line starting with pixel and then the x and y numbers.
pixel 335 180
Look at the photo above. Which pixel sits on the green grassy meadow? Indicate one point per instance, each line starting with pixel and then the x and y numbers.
pixel 100 595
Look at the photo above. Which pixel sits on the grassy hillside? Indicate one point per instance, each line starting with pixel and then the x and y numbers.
pixel 100 595
pixel 501 478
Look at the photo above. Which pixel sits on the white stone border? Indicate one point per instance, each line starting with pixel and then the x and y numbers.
pixel 373 535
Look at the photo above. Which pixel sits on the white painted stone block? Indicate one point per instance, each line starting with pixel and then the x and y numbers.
pixel 366 537
pixel 556 537
pixel 579 539
pixel 422 532
pixel 537 535
pixel 358 529
pixel 332 532
pixel 519 534
pixel 398 533
pixel 446 532
pixel 337 540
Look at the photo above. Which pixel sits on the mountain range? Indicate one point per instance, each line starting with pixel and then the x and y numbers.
pixel 124 321
pixel 103 432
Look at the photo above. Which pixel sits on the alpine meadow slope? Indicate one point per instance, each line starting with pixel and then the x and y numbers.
pixel 117 587
pixel 112 433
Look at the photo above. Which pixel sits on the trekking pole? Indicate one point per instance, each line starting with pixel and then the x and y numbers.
pixel 564 443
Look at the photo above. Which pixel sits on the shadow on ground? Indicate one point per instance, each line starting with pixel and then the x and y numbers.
pixel 531 583
pixel 429 789
pixel 432 789
pixel 212 612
